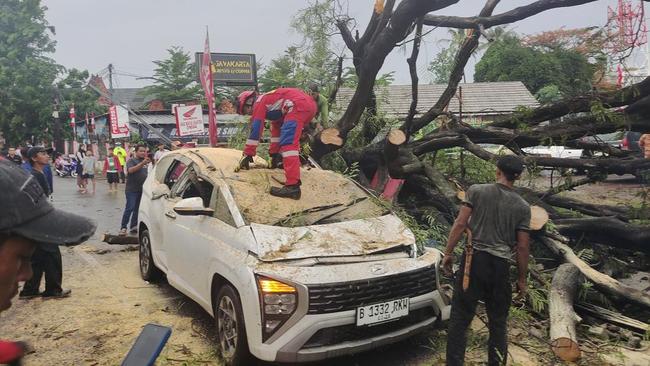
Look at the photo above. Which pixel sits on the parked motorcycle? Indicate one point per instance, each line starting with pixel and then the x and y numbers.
pixel 66 167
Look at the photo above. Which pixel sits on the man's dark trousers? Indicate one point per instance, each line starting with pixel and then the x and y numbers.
pixel 489 281
pixel 131 209
pixel 45 261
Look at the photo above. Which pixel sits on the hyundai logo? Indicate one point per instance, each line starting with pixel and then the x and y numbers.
pixel 378 269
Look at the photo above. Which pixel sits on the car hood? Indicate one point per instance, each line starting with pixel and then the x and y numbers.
pixel 349 238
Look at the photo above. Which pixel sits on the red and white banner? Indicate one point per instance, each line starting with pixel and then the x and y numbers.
pixel 92 122
pixel 119 121
pixel 72 118
pixel 208 88
pixel 189 120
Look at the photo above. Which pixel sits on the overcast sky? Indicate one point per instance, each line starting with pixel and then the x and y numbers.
pixel 130 34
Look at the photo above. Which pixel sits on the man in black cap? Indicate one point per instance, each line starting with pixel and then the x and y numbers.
pixel 27 221
pixel 498 221
pixel 46 260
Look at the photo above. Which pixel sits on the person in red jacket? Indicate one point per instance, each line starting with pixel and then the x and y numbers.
pixel 112 167
pixel 289 110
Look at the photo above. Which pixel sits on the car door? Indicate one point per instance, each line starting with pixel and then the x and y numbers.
pixel 196 243
pixel 168 172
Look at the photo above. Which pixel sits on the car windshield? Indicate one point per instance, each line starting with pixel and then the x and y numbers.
pixel 327 197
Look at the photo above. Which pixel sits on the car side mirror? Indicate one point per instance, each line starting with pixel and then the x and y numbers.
pixel 192 207
pixel 159 191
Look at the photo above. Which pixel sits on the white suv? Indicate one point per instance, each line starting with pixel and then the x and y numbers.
pixel 333 273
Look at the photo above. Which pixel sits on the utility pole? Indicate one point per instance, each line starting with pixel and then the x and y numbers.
pixel 57 131
pixel 110 79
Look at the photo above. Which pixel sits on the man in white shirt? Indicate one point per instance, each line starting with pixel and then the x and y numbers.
pixel 159 153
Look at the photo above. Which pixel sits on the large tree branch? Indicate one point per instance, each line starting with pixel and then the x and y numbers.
pixel 608 230
pixel 412 62
pixel 567 130
pixel 462 57
pixel 612 99
pixel 346 35
pixel 372 59
pixel 511 16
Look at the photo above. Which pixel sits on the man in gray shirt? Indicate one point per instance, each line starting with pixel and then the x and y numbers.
pixel 136 169
pixel 498 220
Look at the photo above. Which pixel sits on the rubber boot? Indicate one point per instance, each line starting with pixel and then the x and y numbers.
pixel 292 191
pixel 276 161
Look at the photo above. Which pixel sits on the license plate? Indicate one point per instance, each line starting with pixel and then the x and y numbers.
pixel 382 312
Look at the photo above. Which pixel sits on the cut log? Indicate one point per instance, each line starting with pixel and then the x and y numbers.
pixel 613 317
pixel 538 218
pixel 601 281
pixel 563 318
pixel 120 239
pixel 331 136
pixel 609 231
pixel 396 137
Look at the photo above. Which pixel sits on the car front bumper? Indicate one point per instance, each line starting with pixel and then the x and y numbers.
pixel 300 345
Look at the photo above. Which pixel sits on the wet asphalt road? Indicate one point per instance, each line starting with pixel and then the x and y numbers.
pixel 103 207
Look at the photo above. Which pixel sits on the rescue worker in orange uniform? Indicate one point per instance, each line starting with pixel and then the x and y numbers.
pixel 289 110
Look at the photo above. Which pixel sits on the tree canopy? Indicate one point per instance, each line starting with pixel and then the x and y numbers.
pixel 509 59
pixel 174 78
pixel 27 72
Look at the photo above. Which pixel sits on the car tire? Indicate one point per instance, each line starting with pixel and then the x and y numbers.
pixel 231 331
pixel 148 269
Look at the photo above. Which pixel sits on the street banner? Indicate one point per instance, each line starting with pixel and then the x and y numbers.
pixel 72 117
pixel 92 122
pixel 73 125
pixel 189 120
pixel 208 88
pixel 119 121
pixel 231 69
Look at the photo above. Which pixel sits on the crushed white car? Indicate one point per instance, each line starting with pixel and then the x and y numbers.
pixel 331 274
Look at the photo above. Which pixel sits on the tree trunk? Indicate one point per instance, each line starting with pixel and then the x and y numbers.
pixel 602 281
pixel 563 318
pixel 608 231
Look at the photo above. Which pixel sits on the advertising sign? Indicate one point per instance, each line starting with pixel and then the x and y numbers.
pixel 119 121
pixel 189 120
pixel 231 68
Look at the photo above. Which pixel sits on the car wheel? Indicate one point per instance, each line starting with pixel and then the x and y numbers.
pixel 231 331
pixel 148 269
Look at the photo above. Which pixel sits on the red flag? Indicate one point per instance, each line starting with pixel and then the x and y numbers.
pixel 208 88
pixel 619 78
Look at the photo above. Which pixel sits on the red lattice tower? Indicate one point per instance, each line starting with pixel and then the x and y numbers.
pixel 626 26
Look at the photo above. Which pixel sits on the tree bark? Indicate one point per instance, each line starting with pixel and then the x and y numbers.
pixel 508 17
pixel 608 231
pixel 563 318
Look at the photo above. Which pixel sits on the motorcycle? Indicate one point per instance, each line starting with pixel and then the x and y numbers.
pixel 66 167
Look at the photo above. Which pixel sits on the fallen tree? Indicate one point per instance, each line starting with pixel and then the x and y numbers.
pixel 602 281
pixel 411 149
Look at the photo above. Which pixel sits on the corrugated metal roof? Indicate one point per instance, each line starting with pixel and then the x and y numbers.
pixel 478 98
pixel 131 97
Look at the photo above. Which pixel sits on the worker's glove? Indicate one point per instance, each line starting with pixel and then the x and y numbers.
pixel 245 162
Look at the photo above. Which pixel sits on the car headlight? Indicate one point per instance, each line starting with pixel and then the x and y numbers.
pixel 278 301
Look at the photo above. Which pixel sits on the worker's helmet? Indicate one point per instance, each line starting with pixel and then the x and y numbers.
pixel 245 98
